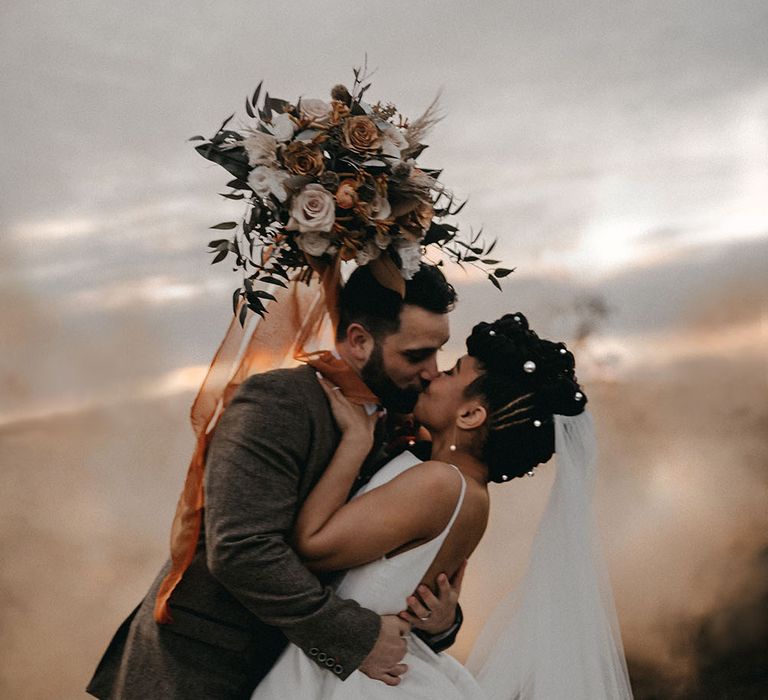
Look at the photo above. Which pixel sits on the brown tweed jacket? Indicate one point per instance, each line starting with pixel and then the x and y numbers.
pixel 246 591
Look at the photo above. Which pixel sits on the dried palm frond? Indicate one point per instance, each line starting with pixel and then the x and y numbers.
pixel 420 127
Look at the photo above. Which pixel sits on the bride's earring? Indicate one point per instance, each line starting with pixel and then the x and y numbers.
pixel 452 446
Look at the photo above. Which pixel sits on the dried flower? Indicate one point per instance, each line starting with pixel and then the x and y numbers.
pixel 361 135
pixel 410 257
pixel 303 158
pixel 261 148
pixel 393 142
pixel 264 181
pixel 346 194
pixel 283 127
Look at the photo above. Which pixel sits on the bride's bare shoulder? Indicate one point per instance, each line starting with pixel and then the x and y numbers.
pixel 437 479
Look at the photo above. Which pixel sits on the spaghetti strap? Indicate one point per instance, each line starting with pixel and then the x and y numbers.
pixel 460 501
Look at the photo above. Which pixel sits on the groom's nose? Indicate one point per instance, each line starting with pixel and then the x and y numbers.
pixel 429 369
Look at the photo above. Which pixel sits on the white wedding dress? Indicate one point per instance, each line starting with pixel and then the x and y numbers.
pixel 555 638
pixel 382 586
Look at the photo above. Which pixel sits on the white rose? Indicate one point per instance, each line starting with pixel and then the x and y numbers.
pixel 315 111
pixel 313 243
pixel 283 127
pixel 261 148
pixel 380 208
pixel 394 141
pixel 410 256
pixel 265 181
pixel 313 210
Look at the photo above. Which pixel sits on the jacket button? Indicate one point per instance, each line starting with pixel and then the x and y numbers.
pixel 329 662
pixel 313 651
pixel 338 669
pixel 322 656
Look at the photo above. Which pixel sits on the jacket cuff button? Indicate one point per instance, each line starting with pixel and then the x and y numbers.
pixel 338 669
pixel 322 656
pixel 313 651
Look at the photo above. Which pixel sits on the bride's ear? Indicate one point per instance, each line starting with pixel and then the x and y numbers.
pixel 471 416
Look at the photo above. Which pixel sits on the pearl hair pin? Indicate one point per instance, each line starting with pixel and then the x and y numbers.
pixel 578 396
pixel 529 366
pixel 537 423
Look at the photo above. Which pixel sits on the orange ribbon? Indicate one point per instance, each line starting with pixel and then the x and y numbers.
pixel 298 318
pixel 338 372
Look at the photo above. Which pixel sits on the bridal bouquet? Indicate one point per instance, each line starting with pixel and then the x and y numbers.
pixel 334 180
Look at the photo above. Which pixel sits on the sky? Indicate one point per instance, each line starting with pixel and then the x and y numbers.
pixel 617 150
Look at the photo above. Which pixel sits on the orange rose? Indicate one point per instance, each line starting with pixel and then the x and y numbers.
pixel 346 194
pixel 303 158
pixel 361 134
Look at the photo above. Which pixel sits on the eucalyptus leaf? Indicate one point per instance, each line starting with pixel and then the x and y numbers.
pixel 273 280
pixel 255 98
pixel 495 282
pixel 306 135
pixel 226 121
pixel 502 272
pixel 225 225
pixel 220 256
pixel 234 160
pixel 197 138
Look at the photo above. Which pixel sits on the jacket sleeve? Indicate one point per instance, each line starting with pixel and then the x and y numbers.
pixel 252 477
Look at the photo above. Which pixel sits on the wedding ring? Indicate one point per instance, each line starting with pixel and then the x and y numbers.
pixel 426 617
pixel 337 388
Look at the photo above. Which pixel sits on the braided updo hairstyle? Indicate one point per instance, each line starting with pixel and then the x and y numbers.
pixel 525 382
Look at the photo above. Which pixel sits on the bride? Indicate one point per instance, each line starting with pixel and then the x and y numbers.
pixel 504 408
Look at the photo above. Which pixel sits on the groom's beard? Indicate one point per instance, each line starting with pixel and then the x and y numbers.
pixel 391 396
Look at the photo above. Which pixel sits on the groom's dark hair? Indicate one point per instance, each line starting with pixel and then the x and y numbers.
pixel 365 301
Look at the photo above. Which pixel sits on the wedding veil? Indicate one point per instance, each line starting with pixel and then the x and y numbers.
pixel 557 635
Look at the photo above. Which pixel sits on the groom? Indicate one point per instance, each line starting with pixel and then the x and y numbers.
pixel 246 592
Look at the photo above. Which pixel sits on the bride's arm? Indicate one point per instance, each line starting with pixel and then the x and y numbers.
pixel 332 534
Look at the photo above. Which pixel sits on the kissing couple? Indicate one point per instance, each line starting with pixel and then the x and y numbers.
pixel 328 566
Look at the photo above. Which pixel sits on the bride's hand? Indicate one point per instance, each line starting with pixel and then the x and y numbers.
pixel 435 614
pixel 353 421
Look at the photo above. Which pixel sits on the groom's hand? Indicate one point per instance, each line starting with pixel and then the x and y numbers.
pixel 435 613
pixel 383 663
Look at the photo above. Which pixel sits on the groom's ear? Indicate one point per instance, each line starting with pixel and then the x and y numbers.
pixel 471 416
pixel 360 342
